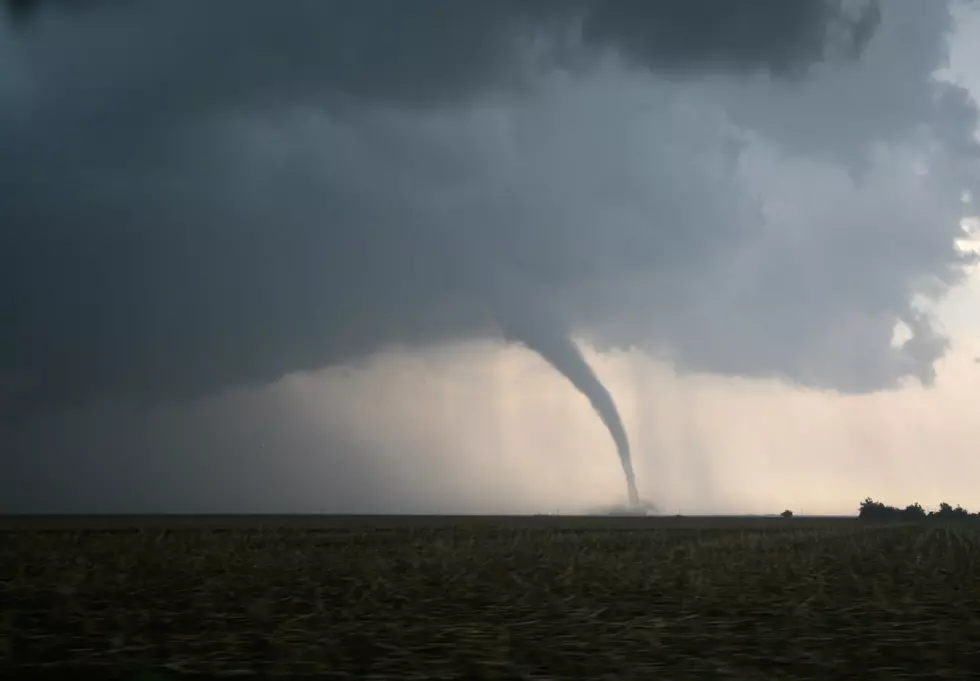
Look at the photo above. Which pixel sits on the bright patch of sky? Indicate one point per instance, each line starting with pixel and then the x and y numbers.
pixel 960 312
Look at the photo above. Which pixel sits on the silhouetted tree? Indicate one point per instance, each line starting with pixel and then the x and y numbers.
pixel 879 512
pixel 915 512
pixel 875 510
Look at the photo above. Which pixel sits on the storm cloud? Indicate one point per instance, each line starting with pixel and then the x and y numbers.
pixel 197 197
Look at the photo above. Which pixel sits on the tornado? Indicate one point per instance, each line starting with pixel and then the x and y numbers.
pixel 523 321
pixel 560 351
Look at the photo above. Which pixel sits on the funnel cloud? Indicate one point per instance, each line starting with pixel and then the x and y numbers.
pixel 531 325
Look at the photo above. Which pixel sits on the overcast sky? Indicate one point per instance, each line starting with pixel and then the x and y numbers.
pixel 327 256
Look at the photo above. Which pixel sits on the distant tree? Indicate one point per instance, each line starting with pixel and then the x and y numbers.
pixel 947 512
pixel 879 512
pixel 786 514
pixel 874 510
pixel 914 512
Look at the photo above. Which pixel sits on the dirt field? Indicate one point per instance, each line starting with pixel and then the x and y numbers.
pixel 541 597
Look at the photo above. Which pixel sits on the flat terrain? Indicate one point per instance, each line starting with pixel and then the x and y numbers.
pixel 515 597
pixel 383 522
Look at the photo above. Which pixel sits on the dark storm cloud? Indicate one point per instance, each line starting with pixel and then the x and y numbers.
pixel 201 196
pixel 250 451
pixel 435 49
pixel 147 252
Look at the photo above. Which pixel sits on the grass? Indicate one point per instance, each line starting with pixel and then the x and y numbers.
pixel 550 598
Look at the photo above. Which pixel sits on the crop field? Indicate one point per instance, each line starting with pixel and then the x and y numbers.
pixel 541 597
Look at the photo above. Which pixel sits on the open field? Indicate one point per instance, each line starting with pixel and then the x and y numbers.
pixel 384 522
pixel 540 597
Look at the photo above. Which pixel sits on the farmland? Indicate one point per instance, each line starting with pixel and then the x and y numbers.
pixel 533 597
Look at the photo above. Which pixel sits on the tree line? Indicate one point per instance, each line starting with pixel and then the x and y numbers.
pixel 875 510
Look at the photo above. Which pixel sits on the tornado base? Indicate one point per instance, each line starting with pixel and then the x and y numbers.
pixel 632 495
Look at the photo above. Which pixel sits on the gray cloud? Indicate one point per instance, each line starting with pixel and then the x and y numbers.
pixel 434 52
pixel 247 452
pixel 199 198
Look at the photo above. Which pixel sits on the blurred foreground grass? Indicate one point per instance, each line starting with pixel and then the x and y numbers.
pixel 566 600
